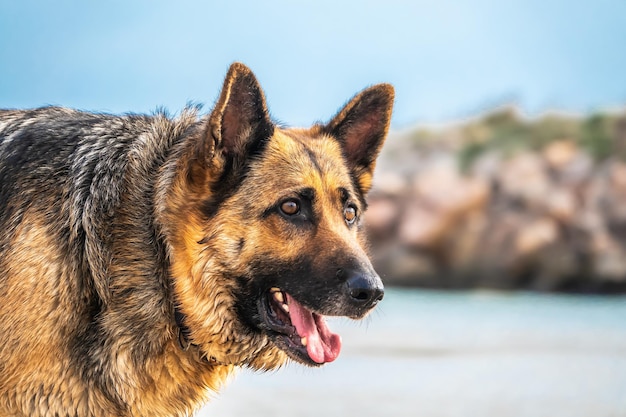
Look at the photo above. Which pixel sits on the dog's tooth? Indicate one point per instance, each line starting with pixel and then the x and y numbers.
pixel 303 341
pixel 285 307
pixel 274 289
pixel 278 296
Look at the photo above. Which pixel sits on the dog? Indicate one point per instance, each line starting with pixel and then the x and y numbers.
pixel 144 258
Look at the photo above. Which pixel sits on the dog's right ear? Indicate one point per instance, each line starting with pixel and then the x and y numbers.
pixel 240 123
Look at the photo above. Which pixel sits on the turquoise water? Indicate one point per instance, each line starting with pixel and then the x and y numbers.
pixel 464 354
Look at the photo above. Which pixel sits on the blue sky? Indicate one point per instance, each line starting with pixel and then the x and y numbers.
pixel 447 59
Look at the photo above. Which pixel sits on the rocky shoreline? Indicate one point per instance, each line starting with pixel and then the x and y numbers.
pixel 504 202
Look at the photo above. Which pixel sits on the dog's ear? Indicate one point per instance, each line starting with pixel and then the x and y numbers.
pixel 361 128
pixel 239 123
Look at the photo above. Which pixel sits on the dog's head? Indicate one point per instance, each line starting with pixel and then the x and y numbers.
pixel 267 227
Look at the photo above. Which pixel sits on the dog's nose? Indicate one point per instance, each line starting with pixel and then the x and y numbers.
pixel 364 290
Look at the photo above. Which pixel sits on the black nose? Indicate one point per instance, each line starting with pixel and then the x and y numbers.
pixel 364 289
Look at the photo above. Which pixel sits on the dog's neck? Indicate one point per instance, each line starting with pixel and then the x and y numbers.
pixel 184 341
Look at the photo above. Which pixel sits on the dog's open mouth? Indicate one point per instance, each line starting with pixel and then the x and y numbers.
pixel 300 332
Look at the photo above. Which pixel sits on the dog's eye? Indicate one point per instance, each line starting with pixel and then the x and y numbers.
pixel 349 213
pixel 290 207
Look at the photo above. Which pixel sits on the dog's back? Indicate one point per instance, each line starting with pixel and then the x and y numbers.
pixel 77 231
pixel 44 277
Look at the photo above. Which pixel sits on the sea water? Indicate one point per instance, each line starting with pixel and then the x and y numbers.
pixel 456 354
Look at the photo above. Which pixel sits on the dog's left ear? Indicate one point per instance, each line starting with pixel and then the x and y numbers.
pixel 361 128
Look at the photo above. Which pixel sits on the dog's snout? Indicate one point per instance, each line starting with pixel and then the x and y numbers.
pixel 364 289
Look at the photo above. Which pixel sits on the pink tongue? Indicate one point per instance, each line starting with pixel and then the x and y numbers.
pixel 322 344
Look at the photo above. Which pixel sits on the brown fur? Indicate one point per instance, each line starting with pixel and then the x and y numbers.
pixel 111 226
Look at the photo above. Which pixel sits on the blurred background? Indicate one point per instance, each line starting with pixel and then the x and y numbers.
pixel 498 217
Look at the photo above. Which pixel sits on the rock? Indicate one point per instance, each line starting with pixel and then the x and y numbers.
pixel 421 226
pixel 555 267
pixel 524 178
pixel 381 217
pixel 614 207
pixel 560 154
pixel 561 204
pixel 442 198
pixel 446 190
pixel 609 259
pixel 535 236
pixel 487 167
pixel 389 184
pixel 410 268
pixel 617 175
pixel 465 243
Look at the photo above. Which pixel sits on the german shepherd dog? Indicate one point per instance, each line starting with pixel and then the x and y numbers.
pixel 143 258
